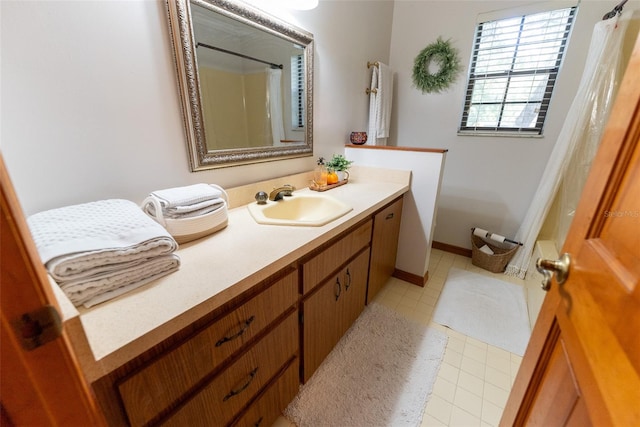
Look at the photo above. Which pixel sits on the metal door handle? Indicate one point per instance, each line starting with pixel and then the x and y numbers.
pixel 559 266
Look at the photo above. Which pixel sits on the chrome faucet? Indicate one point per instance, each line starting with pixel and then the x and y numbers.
pixel 278 193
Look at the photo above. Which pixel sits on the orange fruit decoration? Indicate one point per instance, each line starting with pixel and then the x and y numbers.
pixel 332 178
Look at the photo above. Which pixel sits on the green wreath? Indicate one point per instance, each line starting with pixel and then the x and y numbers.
pixel 443 52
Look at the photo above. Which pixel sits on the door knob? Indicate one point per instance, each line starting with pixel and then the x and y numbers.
pixel 559 266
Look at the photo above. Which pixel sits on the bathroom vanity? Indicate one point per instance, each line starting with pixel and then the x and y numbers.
pixel 252 312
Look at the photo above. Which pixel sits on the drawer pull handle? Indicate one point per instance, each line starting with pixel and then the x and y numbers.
pixel 348 281
pixel 239 390
pixel 257 423
pixel 243 328
pixel 390 216
pixel 338 288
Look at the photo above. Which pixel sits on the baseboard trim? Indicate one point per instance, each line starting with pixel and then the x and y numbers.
pixel 414 279
pixel 451 248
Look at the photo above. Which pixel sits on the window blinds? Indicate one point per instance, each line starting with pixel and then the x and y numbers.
pixel 297 91
pixel 513 71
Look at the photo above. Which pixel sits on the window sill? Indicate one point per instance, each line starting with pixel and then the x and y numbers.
pixel 500 134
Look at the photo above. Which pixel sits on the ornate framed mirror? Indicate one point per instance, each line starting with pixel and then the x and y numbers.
pixel 246 83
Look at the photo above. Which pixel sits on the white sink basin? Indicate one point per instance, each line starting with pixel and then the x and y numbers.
pixel 308 209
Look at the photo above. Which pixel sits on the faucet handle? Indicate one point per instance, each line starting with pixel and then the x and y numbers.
pixel 261 197
pixel 288 189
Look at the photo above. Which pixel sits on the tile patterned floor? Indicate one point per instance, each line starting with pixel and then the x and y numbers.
pixel 475 378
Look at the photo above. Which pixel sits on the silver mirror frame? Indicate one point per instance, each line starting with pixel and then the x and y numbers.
pixel 183 42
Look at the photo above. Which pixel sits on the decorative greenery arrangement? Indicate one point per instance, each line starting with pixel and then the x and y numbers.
pixel 338 163
pixel 450 66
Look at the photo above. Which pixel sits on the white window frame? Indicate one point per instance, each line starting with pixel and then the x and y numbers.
pixel 511 74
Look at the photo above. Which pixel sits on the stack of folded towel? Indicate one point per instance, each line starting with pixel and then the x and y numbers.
pixel 97 251
pixel 186 202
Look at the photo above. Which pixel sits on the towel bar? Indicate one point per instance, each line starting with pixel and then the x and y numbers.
pixel 372 64
pixel 370 91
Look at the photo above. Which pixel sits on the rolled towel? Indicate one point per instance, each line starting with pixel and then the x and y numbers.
pixel 188 195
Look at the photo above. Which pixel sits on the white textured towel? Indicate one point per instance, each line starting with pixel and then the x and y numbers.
pixel 103 287
pixel 186 211
pixel 188 195
pixel 101 240
pixel 380 104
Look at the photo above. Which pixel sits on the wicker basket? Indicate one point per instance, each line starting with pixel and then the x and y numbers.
pixel 496 263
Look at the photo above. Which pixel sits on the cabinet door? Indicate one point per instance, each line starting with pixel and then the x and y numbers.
pixel 321 324
pixel 331 310
pixel 384 246
pixel 354 290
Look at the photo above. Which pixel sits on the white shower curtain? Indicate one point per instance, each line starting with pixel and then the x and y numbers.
pixel 275 105
pixel 583 127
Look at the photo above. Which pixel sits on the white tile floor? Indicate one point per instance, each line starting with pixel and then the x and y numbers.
pixel 475 379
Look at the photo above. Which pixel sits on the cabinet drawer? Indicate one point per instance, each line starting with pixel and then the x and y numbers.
pixel 266 410
pixel 152 389
pixel 223 398
pixel 319 267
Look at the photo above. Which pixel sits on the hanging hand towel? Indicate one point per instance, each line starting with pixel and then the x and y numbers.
pixel 380 104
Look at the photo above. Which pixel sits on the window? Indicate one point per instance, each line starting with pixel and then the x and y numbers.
pixel 297 91
pixel 513 70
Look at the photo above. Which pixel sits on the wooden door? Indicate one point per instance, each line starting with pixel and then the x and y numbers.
pixel 355 290
pixel 42 386
pixel 321 322
pixel 384 247
pixel 582 366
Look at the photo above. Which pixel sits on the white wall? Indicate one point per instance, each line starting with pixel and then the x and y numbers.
pixel 419 204
pixel 90 108
pixel 488 181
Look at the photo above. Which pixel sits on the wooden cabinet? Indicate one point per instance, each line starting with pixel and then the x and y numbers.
pixel 330 310
pixel 268 406
pixel 242 364
pixel 329 259
pixel 384 246
pixel 191 378
pixel 223 398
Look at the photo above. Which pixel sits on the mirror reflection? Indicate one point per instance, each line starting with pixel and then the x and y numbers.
pixel 251 84
pixel 245 81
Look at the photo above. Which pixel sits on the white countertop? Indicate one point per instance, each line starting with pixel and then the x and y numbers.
pixel 213 270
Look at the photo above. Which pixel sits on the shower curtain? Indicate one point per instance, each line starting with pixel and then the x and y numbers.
pixel 275 105
pixel 580 134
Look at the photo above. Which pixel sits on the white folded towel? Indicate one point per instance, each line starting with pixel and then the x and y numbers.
pixel 186 211
pixel 188 195
pixel 77 238
pixel 380 104
pixel 98 240
pixel 88 264
pixel 103 287
pixel 486 249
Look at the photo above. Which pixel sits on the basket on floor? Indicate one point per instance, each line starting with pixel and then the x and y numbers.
pixel 496 263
